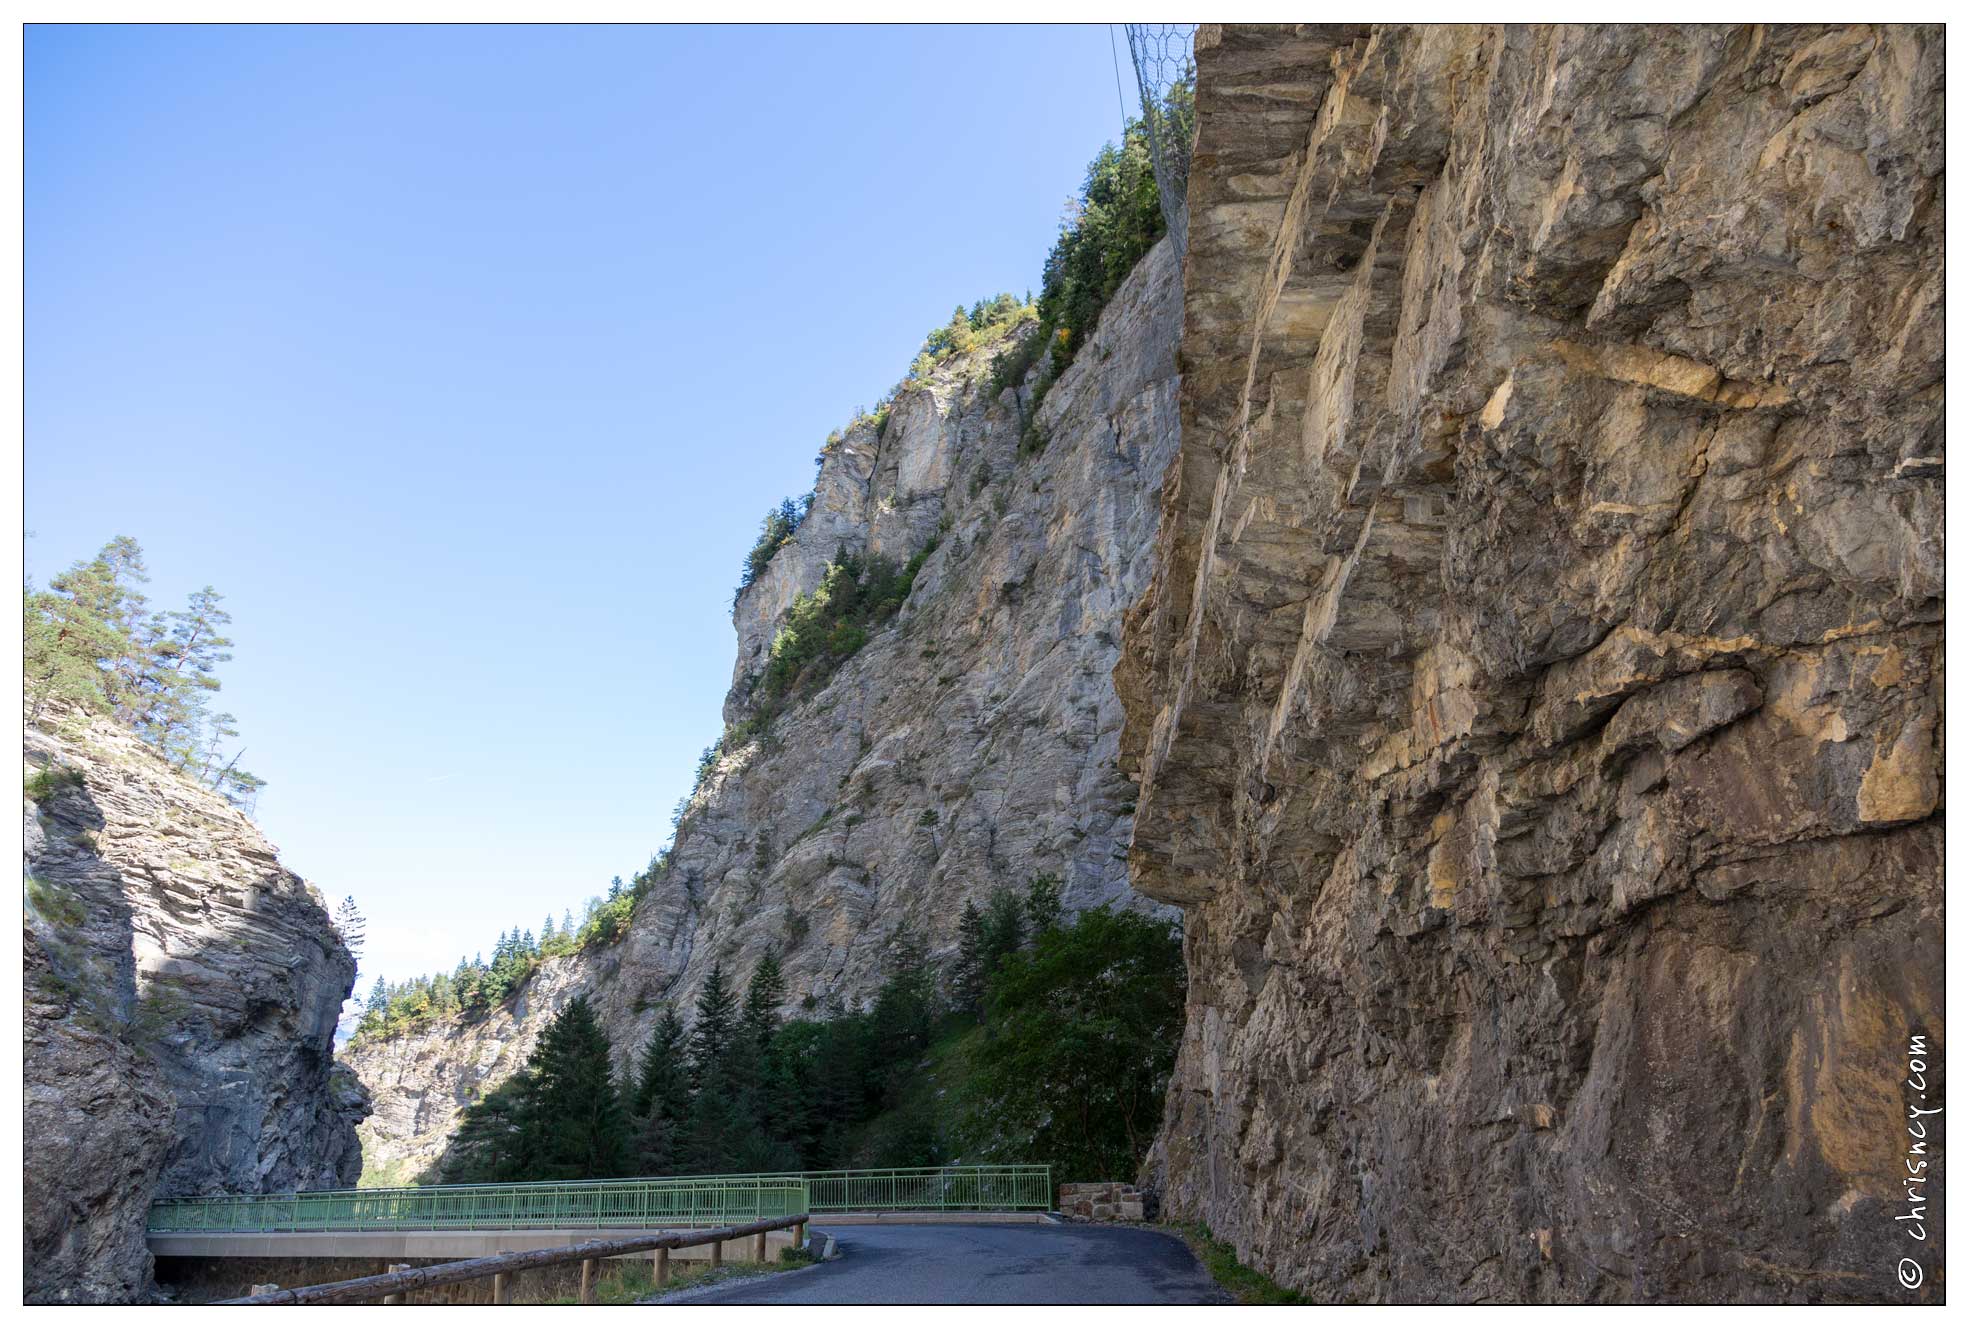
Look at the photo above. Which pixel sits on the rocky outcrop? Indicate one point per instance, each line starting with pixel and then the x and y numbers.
pixel 1537 704
pixel 420 1081
pixel 181 995
pixel 970 744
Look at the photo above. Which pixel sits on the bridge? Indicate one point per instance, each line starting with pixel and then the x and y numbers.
pixel 465 1222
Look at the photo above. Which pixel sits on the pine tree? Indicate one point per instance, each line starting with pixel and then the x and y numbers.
pixel 573 1116
pixel 969 978
pixel 351 926
pixel 661 1098
pixel 493 1140
pixel 547 929
pixel 714 1027
pixel 719 1119
pixel 905 1008
pixel 1042 903
pixel 763 998
pixel 662 1077
pixel 1004 931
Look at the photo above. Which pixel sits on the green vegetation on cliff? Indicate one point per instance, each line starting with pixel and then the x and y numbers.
pixel 1116 219
pixel 89 640
pixel 1062 1059
pixel 475 986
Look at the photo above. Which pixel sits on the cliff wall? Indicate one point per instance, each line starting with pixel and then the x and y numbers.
pixel 181 994
pixel 1537 705
pixel 970 744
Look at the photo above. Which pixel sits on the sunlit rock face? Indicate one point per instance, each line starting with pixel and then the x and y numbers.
pixel 181 994
pixel 1537 704
pixel 970 744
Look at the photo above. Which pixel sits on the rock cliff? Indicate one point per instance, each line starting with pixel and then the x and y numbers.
pixel 1537 704
pixel 970 744
pixel 181 995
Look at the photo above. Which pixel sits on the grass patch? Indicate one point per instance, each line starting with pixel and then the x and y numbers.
pixel 396 1172
pixel 45 783
pixel 1250 1287
pixel 635 1280
pixel 55 903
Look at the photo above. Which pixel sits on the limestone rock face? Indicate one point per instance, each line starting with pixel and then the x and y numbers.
pixel 420 1081
pixel 971 744
pixel 1537 705
pixel 181 994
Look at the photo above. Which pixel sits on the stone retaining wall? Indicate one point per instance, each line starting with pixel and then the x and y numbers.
pixel 1101 1201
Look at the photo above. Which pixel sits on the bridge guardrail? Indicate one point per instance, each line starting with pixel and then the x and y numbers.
pixel 623 1202
pixel 391 1287
pixel 636 1202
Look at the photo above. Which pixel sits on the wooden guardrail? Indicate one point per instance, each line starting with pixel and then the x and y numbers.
pixel 500 1268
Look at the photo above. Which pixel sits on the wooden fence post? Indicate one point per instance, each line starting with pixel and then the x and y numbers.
pixel 662 1266
pixel 502 1287
pixel 587 1282
pixel 799 1235
pixel 717 1253
pixel 758 1248
pixel 395 1298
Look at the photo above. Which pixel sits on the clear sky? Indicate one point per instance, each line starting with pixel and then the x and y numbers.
pixel 464 361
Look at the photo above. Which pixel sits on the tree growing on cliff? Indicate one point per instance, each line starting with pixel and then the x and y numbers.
pixel 350 925
pixel 88 640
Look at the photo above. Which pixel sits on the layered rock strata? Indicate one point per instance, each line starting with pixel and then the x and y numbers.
pixel 181 994
pixel 1537 705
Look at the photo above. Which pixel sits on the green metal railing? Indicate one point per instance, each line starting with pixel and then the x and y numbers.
pixel 631 1202
pixel 641 1202
pixel 1008 1186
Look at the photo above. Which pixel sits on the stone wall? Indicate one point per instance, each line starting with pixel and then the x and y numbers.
pixel 1102 1201
pixel 1537 706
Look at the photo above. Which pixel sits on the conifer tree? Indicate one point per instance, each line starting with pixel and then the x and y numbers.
pixel 662 1077
pixel 969 978
pixel 714 1027
pixel 573 1117
pixel 763 998
pixel 662 1097
pixel 350 925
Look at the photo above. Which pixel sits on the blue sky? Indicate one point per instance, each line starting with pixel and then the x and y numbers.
pixel 464 361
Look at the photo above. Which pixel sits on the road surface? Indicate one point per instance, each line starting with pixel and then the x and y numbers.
pixel 987 1264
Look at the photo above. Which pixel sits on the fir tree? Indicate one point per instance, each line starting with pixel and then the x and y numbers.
pixel 573 1116
pixel 715 1025
pixel 969 978
pixel 763 998
pixel 350 925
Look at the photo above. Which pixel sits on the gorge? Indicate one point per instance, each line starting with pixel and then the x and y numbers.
pixel 1488 586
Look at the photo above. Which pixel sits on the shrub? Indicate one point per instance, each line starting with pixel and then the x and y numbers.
pixel 856 596
pixel 775 529
pixel 45 783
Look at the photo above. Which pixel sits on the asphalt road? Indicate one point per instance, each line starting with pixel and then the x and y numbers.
pixel 987 1264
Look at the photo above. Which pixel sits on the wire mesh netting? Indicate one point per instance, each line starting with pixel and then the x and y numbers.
pixel 1165 76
